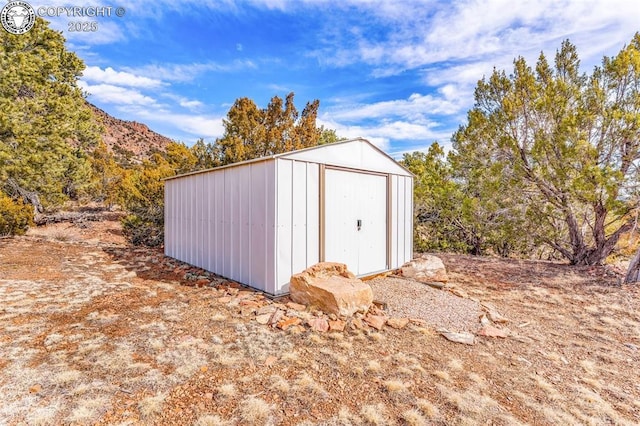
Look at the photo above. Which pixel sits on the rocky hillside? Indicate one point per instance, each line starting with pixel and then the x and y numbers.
pixel 129 140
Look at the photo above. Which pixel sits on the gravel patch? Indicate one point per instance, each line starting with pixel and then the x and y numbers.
pixel 439 308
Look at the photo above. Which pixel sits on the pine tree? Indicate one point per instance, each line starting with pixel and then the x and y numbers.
pixel 45 124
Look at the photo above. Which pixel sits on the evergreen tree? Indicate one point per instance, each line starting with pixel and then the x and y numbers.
pixel 563 145
pixel 45 124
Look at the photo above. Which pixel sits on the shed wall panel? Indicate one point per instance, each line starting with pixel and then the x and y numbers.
pixel 299 217
pixel 284 221
pixel 218 212
pixel 244 229
pixel 257 249
pixel 393 246
pixel 400 191
pixel 408 219
pixel 211 222
pixel 270 226
pixel 313 214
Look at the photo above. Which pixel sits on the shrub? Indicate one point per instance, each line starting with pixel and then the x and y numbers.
pixel 15 216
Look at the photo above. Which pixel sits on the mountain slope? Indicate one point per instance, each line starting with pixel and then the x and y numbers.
pixel 130 141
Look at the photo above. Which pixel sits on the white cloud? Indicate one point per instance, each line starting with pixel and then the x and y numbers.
pixel 430 33
pixel 188 72
pixel 195 125
pixel 415 108
pixel 121 78
pixel 111 94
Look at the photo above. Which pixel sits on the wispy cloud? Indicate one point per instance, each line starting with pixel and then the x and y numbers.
pixel 187 72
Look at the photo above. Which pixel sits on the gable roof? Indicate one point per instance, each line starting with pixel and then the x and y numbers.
pixel 356 153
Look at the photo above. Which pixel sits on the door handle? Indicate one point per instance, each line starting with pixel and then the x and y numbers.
pixel 359 224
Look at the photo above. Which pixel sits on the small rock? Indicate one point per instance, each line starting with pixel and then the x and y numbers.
pixel 397 323
pixel 336 325
pixel 418 321
pixel 484 320
pixel 357 324
pixel 225 299
pixel 35 388
pixel 296 306
pixel 462 337
pixel 208 395
pixel 248 310
pixel 491 331
pixel 296 329
pixel 276 317
pixel 263 319
pixel 204 369
pixel 496 317
pixel 251 303
pixel 267 309
pixel 319 324
pixel 270 360
pixel 375 321
pixel 288 322
pixel 436 285
pixel 493 313
pixel 459 292
pixel 374 310
pixel 202 282
pixel 428 268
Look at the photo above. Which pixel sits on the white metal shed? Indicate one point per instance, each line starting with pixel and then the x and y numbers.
pixel 260 221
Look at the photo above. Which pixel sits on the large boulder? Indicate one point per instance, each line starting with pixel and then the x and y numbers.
pixel 427 268
pixel 330 287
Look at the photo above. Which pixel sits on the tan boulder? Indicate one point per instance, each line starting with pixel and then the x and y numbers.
pixel 427 268
pixel 330 287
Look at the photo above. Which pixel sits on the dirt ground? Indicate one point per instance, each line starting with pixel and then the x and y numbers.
pixel 95 332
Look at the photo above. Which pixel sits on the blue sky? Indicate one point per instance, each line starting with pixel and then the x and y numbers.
pixel 399 73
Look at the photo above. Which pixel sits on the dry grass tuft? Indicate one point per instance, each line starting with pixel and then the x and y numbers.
pixel 151 406
pixel 346 418
pixel 413 417
pixel 427 408
pixel 254 411
pixel 66 377
pixel 550 390
pixel 211 420
pixel 219 317
pixel 227 390
pixel 290 357
pixel 395 386
pixel 309 384
pixel 374 366
pixel 442 375
pixel 279 384
pixel 456 365
pixel 374 414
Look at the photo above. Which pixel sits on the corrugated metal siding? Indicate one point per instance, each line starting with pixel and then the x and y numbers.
pixel 297 221
pixel 220 220
pixel 401 220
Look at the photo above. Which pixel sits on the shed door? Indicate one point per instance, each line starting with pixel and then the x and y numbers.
pixel 356 220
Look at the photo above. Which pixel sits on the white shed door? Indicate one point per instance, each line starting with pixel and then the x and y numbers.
pixel 356 220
